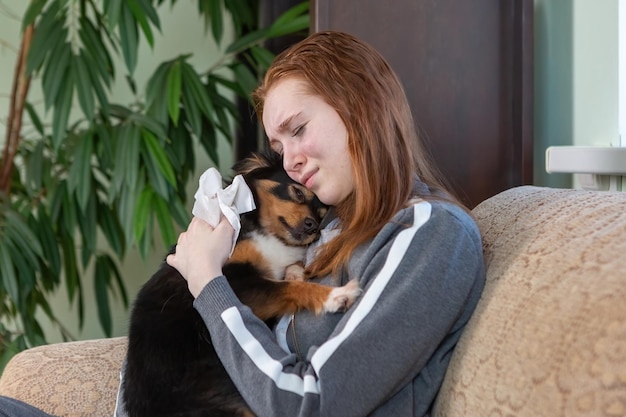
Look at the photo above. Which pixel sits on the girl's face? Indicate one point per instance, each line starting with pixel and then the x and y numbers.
pixel 312 139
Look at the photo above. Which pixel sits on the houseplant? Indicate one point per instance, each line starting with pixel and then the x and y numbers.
pixel 101 168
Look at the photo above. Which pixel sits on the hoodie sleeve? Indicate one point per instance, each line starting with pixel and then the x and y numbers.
pixel 422 277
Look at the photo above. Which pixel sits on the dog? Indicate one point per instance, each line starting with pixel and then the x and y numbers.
pixel 171 367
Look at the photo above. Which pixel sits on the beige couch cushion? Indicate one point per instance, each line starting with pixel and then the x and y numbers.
pixel 549 335
pixel 67 379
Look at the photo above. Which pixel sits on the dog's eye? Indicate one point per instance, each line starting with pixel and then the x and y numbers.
pixel 299 195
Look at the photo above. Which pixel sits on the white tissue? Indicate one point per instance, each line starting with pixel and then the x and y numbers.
pixel 212 201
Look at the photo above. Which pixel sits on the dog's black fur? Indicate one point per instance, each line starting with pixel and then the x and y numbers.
pixel 171 367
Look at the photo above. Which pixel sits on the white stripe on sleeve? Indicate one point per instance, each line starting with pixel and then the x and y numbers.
pixel 266 364
pixel 294 383
pixel 398 249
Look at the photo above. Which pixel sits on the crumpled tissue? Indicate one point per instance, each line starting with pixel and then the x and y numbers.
pixel 212 201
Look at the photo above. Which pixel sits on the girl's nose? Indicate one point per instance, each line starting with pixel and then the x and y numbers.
pixel 292 159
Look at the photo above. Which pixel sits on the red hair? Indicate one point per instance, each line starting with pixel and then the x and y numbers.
pixel 386 153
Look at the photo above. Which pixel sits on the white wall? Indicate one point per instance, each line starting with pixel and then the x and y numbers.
pixel 576 78
pixel 182 33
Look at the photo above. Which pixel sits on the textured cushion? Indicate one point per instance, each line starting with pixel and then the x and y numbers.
pixel 67 379
pixel 549 335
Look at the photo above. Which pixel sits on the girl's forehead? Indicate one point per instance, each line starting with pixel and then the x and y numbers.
pixel 284 102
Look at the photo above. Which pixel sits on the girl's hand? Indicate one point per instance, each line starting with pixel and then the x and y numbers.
pixel 201 252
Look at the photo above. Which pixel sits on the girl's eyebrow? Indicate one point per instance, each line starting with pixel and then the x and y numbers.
pixel 285 123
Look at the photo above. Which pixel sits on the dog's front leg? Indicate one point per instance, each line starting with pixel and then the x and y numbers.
pixel 295 272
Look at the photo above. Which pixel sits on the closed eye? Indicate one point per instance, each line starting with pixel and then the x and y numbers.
pixel 298 131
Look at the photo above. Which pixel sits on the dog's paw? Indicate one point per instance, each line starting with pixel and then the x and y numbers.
pixel 295 272
pixel 341 298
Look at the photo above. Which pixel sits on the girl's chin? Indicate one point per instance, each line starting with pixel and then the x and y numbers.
pixel 329 200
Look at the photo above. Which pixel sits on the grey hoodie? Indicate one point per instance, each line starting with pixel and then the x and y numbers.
pixel 422 276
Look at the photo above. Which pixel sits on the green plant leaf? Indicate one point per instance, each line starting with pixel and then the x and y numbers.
pixel 35 169
pixel 95 48
pixel 245 15
pixel 179 213
pixel 292 20
pixel 49 33
pixel 61 111
pixel 180 150
pixel 107 262
pixel 141 16
pixel 113 9
pixel 150 12
pixel 79 180
pixel 21 246
pixel 25 239
pixel 104 146
pixel 209 143
pixel 154 176
pixel 301 23
pixel 54 79
pixel 102 282
pixel 83 85
pixel 174 82
pixel 131 152
pixel 142 212
pixel 126 205
pixel 87 226
pixel 262 55
pixel 111 228
pixel 215 13
pixel 70 269
pixel 7 271
pixel 68 211
pixel 191 113
pixel 119 282
pixel 164 219
pixel 245 78
pixel 126 157
pixel 100 93
pixel 157 154
pixel 156 86
pixel 49 244
pixel 197 90
pixel 149 123
pixel 34 10
pixel 246 41
pixel 129 38
pixel 215 79
pixel 34 117
pixel 121 112
pixel 146 242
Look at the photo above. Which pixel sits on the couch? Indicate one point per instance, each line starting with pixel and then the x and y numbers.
pixel 548 337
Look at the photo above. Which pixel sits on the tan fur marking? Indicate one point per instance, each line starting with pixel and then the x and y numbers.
pixel 246 251
pixel 293 297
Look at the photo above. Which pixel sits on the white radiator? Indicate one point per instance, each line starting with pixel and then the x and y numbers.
pixel 596 168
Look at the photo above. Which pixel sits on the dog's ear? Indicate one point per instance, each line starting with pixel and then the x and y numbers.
pixel 260 160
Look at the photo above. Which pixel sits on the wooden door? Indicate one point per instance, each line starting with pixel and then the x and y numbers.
pixel 467 69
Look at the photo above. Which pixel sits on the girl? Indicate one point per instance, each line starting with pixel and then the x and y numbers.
pixel 337 113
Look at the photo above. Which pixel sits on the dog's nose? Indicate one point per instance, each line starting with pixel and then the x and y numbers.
pixel 310 226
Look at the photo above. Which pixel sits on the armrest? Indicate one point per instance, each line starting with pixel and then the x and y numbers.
pixel 67 379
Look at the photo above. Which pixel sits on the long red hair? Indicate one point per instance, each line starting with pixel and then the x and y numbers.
pixel 386 152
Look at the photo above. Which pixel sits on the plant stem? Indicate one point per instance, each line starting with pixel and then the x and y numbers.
pixel 21 83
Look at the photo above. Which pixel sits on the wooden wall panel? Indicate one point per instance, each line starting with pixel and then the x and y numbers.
pixel 467 68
